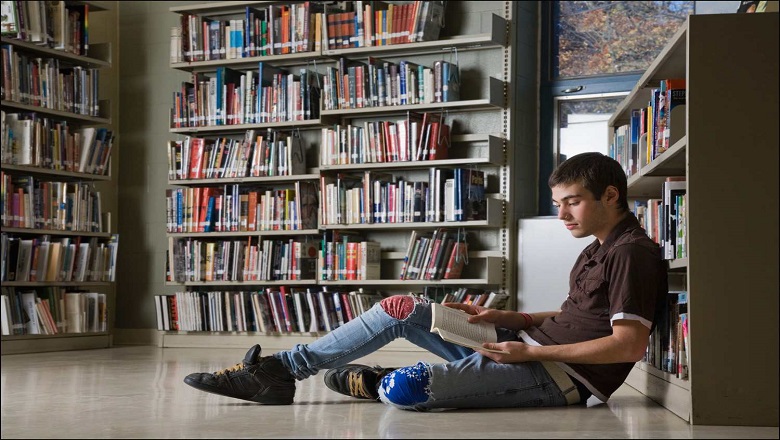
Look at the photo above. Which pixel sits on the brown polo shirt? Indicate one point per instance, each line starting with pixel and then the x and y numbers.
pixel 624 278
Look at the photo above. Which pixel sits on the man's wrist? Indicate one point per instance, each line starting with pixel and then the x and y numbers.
pixel 528 320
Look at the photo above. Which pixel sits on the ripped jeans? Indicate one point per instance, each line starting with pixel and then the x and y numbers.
pixel 467 380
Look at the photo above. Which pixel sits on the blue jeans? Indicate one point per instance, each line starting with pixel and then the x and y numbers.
pixel 467 380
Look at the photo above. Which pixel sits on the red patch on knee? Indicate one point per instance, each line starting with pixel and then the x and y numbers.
pixel 398 306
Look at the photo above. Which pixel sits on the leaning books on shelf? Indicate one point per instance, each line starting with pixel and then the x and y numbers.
pixel 33 140
pixel 667 349
pixel 74 90
pixel 245 259
pixel 436 255
pixel 673 188
pixel 32 203
pixel 279 309
pixel 230 97
pixel 262 31
pixel 453 326
pixel 241 208
pixel 53 310
pixel 56 24
pixel 465 295
pixel 66 259
pixel 355 84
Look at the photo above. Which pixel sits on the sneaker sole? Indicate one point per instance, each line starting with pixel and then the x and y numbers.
pixel 281 395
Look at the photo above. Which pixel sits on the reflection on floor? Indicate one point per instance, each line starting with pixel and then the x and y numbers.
pixel 137 392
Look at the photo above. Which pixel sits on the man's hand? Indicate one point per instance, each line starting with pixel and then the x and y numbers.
pixel 500 318
pixel 518 352
pixel 478 313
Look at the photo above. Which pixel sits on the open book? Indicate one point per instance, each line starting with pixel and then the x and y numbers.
pixel 453 326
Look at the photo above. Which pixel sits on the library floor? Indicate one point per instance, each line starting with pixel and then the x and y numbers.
pixel 137 392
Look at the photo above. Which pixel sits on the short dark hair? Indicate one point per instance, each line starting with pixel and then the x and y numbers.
pixel 595 172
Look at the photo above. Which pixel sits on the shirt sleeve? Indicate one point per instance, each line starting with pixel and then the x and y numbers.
pixel 634 280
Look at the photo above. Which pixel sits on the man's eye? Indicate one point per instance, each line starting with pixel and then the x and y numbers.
pixel 574 203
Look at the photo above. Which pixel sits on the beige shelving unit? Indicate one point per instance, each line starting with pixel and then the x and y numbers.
pixel 485 54
pixel 729 156
pixel 102 39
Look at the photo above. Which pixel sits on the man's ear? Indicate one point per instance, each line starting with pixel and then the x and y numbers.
pixel 611 195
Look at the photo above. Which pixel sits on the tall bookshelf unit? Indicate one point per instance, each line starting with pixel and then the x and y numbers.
pixel 729 155
pixel 99 56
pixel 477 35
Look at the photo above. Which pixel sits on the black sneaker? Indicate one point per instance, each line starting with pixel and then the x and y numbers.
pixel 356 380
pixel 257 379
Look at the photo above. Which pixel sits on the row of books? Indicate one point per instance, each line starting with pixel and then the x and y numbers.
pixel 271 310
pixel 449 195
pixel 230 97
pixel 241 260
pixel 349 256
pixel 304 27
pixel 32 140
pixel 380 83
pixel 669 346
pixel 436 255
pixel 364 23
pixel 55 24
pixel 27 202
pixel 665 108
pixel 417 137
pixel 665 219
pixel 255 156
pixel 465 295
pixel 49 83
pixel 45 259
pixel 234 209
pixel 51 311
pixel 272 30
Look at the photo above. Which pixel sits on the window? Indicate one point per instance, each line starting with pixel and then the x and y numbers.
pixel 593 53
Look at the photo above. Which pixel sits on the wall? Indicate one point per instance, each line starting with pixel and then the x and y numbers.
pixel 146 86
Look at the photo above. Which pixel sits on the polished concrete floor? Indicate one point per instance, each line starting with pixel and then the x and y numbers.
pixel 137 392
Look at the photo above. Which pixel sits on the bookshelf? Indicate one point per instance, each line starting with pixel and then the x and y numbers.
pixel 481 139
pixel 47 169
pixel 728 154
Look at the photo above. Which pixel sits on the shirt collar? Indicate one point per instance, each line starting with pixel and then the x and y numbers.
pixel 596 249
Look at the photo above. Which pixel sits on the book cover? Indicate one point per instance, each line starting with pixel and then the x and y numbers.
pixel 370 261
pixel 457 260
pixel 671 189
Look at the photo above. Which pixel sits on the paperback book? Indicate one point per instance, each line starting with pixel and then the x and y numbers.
pixel 453 326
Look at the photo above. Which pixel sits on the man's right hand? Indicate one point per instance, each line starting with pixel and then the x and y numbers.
pixel 500 318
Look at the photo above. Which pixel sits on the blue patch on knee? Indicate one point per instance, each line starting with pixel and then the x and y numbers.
pixel 406 386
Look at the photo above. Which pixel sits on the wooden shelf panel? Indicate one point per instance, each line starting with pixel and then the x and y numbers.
pixel 64 175
pixel 69 116
pixel 245 283
pixel 29 231
pixel 56 283
pixel 244 233
pixel 308 124
pixel 263 179
pixel 99 48
pixel 46 343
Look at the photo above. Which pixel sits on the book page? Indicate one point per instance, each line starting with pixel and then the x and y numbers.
pixel 453 326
